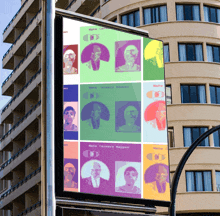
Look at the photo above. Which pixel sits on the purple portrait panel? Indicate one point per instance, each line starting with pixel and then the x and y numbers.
pixel 127 56
pixel 93 54
pixel 97 164
pixel 70 174
pixel 128 116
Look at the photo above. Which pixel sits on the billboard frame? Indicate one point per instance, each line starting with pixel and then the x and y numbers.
pixel 59 139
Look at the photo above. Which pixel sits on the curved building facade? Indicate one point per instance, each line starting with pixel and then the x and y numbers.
pixel 191 34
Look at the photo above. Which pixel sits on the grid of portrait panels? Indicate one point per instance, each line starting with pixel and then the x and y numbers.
pixel 114 112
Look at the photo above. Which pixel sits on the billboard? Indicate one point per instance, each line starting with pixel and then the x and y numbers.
pixel 114 115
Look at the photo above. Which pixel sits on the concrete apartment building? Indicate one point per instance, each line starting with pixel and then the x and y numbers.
pixel 190 31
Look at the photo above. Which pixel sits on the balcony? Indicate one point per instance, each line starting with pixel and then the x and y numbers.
pixel 20 156
pixel 19 20
pixel 21 95
pixel 33 210
pixel 23 123
pixel 29 61
pixel 20 188
pixel 84 6
pixel 20 46
pixel 208 113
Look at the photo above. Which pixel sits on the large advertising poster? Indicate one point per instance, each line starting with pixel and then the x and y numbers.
pixel 114 113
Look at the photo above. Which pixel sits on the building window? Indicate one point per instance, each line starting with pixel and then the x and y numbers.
pixel 193 94
pixel 190 52
pixel 211 14
pixel 168 95
pixel 215 94
pixel 217 174
pixel 198 181
pixel 190 134
pixel 114 20
pixel 131 19
pixel 155 14
pixel 171 136
pixel 216 138
pixel 213 53
pixel 188 12
pixel 166 53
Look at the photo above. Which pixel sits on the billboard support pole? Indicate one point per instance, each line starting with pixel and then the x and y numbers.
pixel 50 183
pixel 181 165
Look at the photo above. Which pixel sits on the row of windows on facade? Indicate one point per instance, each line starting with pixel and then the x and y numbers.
pixel 190 134
pixel 195 94
pixel 159 14
pixel 194 52
pixel 201 181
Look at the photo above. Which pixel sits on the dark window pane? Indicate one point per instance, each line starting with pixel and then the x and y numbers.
pixel 199 181
pixel 193 94
pixel 195 134
pixel 190 185
pixel 137 18
pixel 213 15
pixel 212 95
pixel 157 14
pixel 147 16
pixel 131 19
pixel 188 12
pixel 216 138
pixel 216 54
pixel 187 135
pixel 153 12
pixel 207 181
pixel 218 95
pixel 190 52
pixel 124 20
pixel 185 93
pixel 206 141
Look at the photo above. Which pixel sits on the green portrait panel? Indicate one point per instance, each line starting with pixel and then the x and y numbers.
pixel 110 112
pixel 108 55
pixel 153 59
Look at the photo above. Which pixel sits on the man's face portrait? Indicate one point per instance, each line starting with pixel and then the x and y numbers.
pixel 96 170
pixel 130 114
pixel 161 175
pixel 130 177
pixel 96 111
pixel 69 57
pixel 130 54
pixel 69 116
pixel 69 171
pixel 96 54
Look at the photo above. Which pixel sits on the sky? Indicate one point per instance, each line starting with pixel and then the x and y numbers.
pixel 8 8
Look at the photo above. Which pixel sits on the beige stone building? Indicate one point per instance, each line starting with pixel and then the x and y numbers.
pixel 190 31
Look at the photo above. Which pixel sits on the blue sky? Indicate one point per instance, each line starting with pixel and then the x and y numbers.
pixel 8 8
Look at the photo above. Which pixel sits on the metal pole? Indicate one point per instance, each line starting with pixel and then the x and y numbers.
pixel 181 165
pixel 50 186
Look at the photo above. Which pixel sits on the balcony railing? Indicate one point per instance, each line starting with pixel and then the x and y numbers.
pixel 19 122
pixel 95 11
pixel 13 188
pixel 10 75
pixel 14 16
pixel 30 209
pixel 18 94
pixel 21 34
pixel 20 152
pixel 70 4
